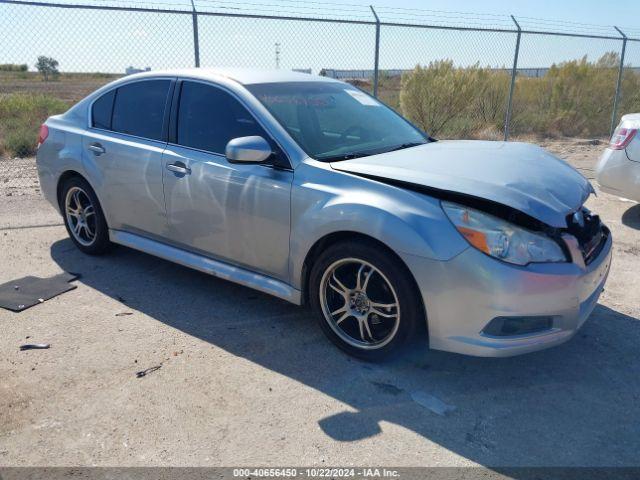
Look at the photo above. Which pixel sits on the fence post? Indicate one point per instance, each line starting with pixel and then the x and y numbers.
pixel 514 71
pixel 616 99
pixel 376 70
pixel 196 37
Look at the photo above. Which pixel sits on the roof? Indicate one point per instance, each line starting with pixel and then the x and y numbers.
pixel 245 76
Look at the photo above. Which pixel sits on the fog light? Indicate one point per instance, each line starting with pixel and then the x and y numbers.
pixel 509 326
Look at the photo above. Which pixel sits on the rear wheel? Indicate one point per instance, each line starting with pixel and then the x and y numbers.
pixel 83 217
pixel 365 299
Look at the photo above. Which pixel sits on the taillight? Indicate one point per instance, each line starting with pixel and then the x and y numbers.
pixel 621 138
pixel 43 134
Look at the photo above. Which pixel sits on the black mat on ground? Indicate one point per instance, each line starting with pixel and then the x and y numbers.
pixel 18 295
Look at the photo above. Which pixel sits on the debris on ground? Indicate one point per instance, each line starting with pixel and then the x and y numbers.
pixel 432 403
pixel 144 373
pixel 123 314
pixel 34 346
pixel 18 295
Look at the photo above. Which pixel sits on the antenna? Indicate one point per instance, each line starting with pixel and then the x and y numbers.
pixel 277 55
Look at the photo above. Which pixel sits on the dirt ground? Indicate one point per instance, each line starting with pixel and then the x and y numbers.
pixel 247 379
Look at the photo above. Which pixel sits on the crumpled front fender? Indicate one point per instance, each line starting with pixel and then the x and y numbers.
pixel 325 202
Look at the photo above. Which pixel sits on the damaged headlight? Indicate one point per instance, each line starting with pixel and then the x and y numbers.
pixel 501 239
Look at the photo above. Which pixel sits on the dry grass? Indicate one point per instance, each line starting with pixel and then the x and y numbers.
pixel 26 101
pixel 20 117
pixel 68 87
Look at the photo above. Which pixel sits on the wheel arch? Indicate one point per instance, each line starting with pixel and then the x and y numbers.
pixel 68 174
pixel 346 235
pixel 64 177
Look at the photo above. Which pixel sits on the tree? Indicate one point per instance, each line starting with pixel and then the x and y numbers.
pixel 47 66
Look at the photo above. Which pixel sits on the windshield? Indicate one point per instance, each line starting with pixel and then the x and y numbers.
pixel 335 121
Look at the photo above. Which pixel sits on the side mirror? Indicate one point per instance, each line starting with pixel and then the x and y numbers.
pixel 248 150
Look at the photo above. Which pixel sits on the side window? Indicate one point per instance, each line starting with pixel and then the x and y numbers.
pixel 101 111
pixel 139 108
pixel 209 117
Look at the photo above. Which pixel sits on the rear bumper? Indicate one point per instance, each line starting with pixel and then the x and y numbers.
pixel 617 175
pixel 464 294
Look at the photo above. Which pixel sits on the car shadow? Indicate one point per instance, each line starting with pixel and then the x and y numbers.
pixel 573 405
pixel 631 217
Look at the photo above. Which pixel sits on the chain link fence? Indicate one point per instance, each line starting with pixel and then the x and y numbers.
pixel 514 79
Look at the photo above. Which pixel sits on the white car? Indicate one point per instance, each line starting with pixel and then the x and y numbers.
pixel 618 171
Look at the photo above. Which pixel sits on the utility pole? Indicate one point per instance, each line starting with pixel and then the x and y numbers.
pixel 277 55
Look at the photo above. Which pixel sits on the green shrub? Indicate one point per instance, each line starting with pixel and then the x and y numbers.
pixel 574 98
pixel 488 106
pixel 20 118
pixel 21 143
pixel 13 67
pixel 434 96
pixel 449 101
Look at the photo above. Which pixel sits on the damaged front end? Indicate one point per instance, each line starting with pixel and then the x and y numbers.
pixel 585 235
pixel 580 241
pixel 538 258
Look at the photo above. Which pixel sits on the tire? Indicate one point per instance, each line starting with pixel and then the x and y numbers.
pixel 333 281
pixel 92 236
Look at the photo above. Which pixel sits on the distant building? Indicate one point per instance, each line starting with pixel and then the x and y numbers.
pixel 389 73
pixel 359 74
pixel 302 70
pixel 132 70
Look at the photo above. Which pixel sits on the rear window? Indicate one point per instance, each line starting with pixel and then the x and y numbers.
pixel 101 112
pixel 139 108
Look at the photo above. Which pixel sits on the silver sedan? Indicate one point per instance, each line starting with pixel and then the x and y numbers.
pixel 311 190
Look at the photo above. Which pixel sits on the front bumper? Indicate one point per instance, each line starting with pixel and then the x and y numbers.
pixel 617 175
pixel 464 294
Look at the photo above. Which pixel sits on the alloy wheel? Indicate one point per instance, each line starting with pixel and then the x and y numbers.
pixel 359 303
pixel 80 215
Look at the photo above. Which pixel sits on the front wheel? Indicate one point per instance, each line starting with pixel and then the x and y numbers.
pixel 366 300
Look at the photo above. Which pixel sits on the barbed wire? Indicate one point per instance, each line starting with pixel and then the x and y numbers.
pixel 363 13
pixel 290 9
pixel 128 2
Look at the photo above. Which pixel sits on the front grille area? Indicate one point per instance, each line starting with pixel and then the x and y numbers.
pixel 589 231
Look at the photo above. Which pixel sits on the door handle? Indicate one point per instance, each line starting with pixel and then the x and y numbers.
pixel 97 149
pixel 178 167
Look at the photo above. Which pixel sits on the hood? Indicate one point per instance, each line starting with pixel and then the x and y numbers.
pixel 519 175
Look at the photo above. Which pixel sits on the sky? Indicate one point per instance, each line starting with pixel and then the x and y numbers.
pixel 99 41
pixel 600 12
